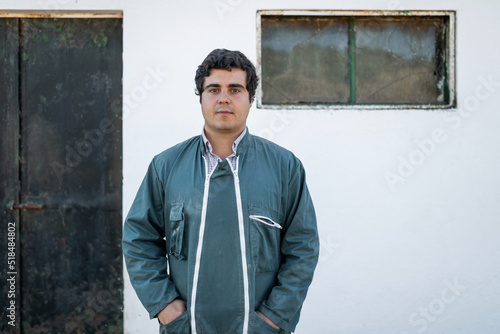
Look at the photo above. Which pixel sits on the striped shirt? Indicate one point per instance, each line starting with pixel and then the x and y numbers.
pixel 213 159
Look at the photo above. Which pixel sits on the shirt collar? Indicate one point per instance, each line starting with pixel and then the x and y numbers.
pixel 208 146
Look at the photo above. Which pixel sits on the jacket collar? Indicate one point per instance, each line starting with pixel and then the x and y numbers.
pixel 240 149
pixel 244 143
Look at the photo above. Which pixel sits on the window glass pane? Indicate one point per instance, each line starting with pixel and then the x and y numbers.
pixel 304 60
pixel 400 61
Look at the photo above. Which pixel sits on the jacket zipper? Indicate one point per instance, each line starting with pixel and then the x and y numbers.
pixel 242 245
pixel 199 247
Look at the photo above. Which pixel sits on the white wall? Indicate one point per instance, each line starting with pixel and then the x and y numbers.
pixel 420 256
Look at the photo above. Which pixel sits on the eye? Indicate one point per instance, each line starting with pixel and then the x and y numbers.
pixel 213 90
pixel 235 90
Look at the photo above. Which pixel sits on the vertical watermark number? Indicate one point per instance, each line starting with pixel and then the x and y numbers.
pixel 11 273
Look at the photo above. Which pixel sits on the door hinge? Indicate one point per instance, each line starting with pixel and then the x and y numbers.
pixel 25 206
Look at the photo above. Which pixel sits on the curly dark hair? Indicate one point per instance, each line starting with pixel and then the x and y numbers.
pixel 222 59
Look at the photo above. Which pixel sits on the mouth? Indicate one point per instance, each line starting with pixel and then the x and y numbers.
pixel 224 112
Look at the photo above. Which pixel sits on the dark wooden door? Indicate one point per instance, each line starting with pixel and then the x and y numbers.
pixel 61 174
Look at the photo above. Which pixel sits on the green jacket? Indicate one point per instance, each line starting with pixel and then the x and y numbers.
pixel 228 243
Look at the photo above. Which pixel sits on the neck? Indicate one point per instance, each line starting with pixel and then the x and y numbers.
pixel 222 144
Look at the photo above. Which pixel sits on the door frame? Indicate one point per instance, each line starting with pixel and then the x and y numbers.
pixel 75 14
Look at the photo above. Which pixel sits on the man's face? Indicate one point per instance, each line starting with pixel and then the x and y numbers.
pixel 225 102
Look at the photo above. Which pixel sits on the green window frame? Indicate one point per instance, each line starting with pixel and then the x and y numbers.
pixel 323 59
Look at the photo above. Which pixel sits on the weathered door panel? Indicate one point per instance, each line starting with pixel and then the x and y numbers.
pixel 70 167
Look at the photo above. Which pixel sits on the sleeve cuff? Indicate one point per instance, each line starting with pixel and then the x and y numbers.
pixel 278 321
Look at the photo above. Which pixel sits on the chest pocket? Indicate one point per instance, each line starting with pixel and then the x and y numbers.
pixel 265 235
pixel 177 226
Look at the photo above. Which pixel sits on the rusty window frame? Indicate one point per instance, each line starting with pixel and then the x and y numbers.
pixel 450 76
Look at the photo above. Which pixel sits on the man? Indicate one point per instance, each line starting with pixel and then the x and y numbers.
pixel 222 236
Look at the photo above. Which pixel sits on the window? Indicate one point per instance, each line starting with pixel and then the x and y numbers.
pixel 356 59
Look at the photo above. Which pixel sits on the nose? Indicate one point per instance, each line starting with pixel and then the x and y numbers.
pixel 224 98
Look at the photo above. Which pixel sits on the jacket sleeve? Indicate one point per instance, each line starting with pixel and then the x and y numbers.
pixel 299 252
pixel 144 246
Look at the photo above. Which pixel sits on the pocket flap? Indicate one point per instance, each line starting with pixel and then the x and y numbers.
pixel 176 212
